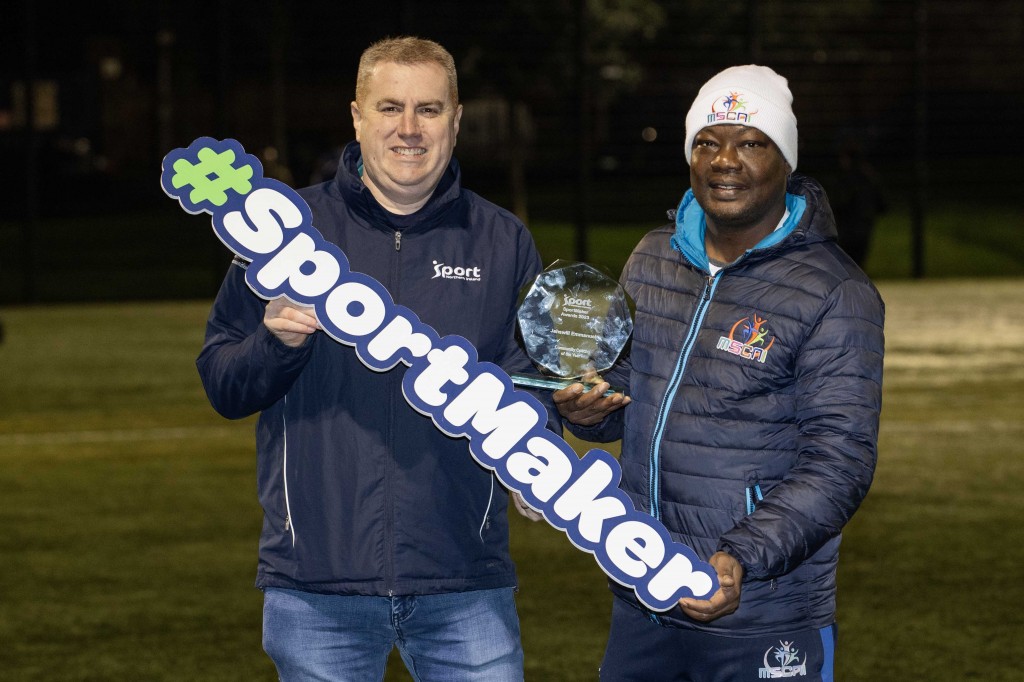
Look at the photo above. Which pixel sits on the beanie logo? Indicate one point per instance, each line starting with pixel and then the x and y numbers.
pixel 730 108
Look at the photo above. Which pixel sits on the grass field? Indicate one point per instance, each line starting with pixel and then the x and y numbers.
pixel 129 523
pixel 139 260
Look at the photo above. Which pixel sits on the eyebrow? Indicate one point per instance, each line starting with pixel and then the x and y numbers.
pixel 742 130
pixel 389 101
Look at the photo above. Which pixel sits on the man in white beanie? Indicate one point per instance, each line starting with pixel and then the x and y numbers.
pixel 755 382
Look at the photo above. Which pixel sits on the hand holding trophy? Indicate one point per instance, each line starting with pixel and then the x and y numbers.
pixel 574 321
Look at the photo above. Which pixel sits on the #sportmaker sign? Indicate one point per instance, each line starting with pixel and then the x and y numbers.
pixel 268 224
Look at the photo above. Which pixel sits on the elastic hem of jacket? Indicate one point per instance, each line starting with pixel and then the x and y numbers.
pixel 675 618
pixel 379 588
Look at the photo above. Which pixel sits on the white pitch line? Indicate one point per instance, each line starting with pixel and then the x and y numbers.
pixel 115 435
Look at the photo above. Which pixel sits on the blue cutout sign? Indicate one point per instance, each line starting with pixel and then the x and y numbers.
pixel 268 224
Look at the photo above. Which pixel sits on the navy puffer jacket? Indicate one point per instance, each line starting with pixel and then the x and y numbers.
pixel 756 398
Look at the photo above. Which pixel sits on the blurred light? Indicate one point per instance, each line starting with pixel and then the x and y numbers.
pixel 613 72
pixel 110 68
pixel 649 134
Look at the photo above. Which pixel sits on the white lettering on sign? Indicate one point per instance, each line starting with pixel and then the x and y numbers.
pixel 268 224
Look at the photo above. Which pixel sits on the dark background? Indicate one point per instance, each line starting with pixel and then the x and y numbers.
pixel 574 109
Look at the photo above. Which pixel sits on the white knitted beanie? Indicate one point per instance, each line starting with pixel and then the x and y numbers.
pixel 748 95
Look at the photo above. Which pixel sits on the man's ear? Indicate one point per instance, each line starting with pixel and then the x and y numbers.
pixel 455 124
pixel 356 117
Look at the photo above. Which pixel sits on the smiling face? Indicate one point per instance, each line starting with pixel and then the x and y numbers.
pixel 406 124
pixel 738 176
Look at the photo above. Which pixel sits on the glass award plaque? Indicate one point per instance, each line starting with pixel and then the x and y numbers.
pixel 573 319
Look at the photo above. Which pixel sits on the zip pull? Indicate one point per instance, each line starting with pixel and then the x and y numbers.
pixel 398 240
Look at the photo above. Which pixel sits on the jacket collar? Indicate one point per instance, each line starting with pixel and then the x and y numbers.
pixel 349 184
pixel 810 219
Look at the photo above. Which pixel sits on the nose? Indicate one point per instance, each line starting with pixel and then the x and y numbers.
pixel 409 125
pixel 727 158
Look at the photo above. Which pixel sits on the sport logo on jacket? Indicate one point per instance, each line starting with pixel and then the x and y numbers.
pixel 469 274
pixel 748 339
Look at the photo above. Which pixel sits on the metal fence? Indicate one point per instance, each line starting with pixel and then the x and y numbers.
pixel 590 95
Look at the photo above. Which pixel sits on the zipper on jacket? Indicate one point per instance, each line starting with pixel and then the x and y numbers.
pixel 654 482
pixel 389 498
pixel 393 286
pixel 754 495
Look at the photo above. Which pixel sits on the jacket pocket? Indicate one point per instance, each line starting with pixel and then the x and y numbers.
pixel 753 495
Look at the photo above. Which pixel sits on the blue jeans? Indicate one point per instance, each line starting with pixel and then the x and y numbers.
pixel 441 637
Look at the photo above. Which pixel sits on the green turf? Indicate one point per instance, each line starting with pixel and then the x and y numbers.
pixel 130 256
pixel 129 523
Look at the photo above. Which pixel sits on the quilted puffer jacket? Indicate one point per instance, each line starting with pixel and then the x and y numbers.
pixel 756 398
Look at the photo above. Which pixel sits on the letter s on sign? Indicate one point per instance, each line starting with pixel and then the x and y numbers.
pixel 264 207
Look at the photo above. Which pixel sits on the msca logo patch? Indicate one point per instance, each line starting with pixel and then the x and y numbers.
pixel 748 339
pixel 732 107
pixel 787 656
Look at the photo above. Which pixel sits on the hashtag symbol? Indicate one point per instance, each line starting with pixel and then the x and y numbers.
pixel 212 176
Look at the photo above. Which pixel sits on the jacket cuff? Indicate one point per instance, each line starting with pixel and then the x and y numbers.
pixel 281 353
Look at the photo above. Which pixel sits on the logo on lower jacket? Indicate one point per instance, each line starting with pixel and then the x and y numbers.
pixel 748 339
pixel 469 274
pixel 786 655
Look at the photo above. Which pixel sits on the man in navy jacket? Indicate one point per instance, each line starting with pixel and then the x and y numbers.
pixel 755 382
pixel 380 530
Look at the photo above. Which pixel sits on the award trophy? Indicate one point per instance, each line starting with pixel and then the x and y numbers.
pixel 574 319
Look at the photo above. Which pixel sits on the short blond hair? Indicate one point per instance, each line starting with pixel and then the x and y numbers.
pixel 407 50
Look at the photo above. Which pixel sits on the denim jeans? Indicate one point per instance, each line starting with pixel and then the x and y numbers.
pixel 451 637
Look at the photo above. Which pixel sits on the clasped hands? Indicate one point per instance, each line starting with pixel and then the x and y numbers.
pixel 589 407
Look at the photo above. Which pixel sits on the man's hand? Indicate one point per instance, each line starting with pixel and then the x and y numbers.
pixel 587 409
pixel 726 599
pixel 292 324
pixel 523 508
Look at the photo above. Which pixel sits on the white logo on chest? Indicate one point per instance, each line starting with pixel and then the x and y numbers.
pixel 467 273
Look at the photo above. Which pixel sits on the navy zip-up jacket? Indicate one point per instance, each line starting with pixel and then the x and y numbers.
pixel 756 396
pixel 362 494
